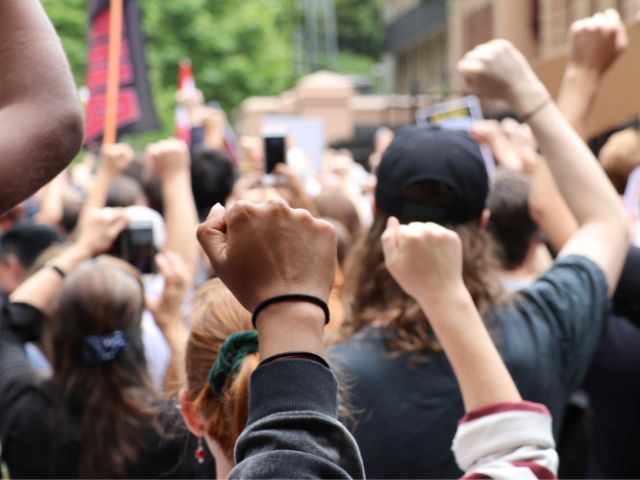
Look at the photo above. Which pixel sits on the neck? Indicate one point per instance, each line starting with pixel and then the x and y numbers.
pixel 224 464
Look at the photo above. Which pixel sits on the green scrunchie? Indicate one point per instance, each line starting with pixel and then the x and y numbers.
pixel 233 351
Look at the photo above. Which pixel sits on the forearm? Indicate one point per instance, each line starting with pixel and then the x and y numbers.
pixel 481 373
pixel 290 326
pixel 572 164
pixel 578 93
pixel 177 336
pixel 181 217
pixel 97 193
pixel 41 288
pixel 52 205
pixel 548 208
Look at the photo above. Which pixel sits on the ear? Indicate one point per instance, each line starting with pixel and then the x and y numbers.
pixel 484 218
pixel 193 419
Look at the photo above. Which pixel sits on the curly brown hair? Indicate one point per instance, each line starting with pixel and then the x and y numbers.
pixel 372 297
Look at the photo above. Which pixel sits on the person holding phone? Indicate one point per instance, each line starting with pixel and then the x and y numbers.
pixel 98 416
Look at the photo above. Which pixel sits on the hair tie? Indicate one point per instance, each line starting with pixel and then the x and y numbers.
pixel 232 352
pixel 103 349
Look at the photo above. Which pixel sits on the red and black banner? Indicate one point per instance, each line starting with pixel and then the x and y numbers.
pixel 136 112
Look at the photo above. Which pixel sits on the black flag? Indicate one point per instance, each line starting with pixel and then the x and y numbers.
pixel 136 112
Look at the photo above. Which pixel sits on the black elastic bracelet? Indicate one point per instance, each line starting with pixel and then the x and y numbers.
pixel 303 355
pixel 288 298
pixel 529 115
pixel 56 269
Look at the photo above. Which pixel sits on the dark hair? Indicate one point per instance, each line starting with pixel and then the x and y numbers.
pixel 510 223
pixel 150 183
pixel 336 205
pixel 371 295
pixel 114 398
pixel 28 240
pixel 212 178
pixel 124 191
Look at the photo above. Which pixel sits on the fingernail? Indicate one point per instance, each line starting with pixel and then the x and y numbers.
pixel 217 208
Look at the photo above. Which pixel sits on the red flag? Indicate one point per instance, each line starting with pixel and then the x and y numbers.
pixel 186 84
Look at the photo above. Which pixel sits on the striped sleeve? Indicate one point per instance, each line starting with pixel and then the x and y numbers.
pixel 506 441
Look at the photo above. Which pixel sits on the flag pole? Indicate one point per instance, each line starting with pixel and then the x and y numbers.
pixel 113 72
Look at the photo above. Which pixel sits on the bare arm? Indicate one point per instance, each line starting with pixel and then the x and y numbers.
pixel 497 69
pixel 426 261
pixel 102 227
pixel 595 43
pixel 40 115
pixel 171 162
pixel 114 159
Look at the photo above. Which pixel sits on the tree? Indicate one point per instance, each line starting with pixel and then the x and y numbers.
pixel 237 49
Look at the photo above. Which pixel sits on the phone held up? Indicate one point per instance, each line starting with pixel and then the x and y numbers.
pixel 135 246
pixel 275 152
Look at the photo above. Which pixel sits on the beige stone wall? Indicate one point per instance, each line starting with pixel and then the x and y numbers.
pixel 556 17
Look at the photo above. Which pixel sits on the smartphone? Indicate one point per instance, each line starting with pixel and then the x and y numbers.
pixel 135 246
pixel 274 152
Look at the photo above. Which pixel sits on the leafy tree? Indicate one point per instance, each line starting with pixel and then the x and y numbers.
pixel 237 49
pixel 360 29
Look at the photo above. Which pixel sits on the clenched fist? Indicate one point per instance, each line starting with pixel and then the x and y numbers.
pixel 596 42
pixel 169 157
pixel 263 250
pixel 424 258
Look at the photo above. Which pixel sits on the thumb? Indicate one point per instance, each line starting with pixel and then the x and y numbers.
pixel 212 236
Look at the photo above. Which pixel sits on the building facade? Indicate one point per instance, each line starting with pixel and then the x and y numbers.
pixel 426 38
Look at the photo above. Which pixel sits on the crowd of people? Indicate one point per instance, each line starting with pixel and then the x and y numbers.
pixel 171 314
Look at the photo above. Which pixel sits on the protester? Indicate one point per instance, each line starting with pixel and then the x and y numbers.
pixel 215 403
pixel 292 430
pixel 98 416
pixel 400 383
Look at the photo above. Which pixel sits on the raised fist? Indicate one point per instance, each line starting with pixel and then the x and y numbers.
pixel 168 157
pixel 424 258
pixel 596 42
pixel 263 250
pixel 497 69
pixel 116 157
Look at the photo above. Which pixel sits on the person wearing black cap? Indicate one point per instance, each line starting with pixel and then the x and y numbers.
pixel 401 385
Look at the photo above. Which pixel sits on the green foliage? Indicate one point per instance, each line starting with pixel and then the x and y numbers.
pixel 360 29
pixel 237 49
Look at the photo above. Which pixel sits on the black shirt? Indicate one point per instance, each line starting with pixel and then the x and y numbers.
pixel 34 446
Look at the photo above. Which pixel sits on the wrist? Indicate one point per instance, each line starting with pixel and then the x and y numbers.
pixel 74 255
pixel 454 293
pixel 585 76
pixel 176 177
pixel 290 326
pixel 525 96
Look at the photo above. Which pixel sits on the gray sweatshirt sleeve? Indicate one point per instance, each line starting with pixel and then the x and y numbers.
pixel 292 430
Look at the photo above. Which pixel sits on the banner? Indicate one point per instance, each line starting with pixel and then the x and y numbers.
pixel 136 112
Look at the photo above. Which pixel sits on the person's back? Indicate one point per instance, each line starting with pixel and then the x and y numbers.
pixel 414 399
pixel 98 416
pixel 549 332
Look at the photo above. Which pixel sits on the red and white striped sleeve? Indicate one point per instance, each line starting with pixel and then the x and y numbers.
pixel 507 441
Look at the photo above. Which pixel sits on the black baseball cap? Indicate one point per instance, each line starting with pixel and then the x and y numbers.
pixel 420 155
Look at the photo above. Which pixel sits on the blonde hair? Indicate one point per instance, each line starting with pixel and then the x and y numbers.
pixel 217 315
pixel 620 155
